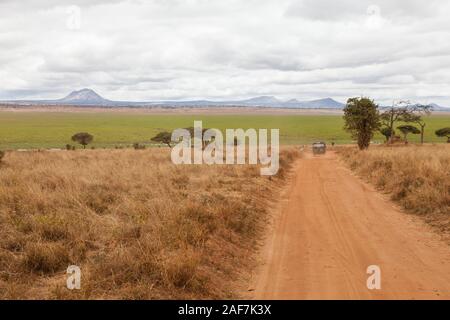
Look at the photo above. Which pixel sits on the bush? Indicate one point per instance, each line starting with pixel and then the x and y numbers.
pixel 2 155
pixel 138 146
pixel 83 138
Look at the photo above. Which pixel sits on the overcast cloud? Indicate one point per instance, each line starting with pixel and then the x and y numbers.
pixel 226 49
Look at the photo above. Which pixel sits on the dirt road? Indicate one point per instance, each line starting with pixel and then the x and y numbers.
pixel 331 226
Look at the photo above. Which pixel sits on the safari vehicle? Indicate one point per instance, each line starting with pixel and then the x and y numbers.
pixel 319 147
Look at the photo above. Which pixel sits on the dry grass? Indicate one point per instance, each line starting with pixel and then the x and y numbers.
pixel 417 177
pixel 138 226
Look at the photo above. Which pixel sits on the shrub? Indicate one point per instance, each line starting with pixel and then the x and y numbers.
pixel 138 146
pixel 83 138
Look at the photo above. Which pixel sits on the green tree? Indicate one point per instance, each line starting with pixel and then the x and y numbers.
pixel 407 129
pixel 416 114
pixel 83 138
pixel 362 119
pixel 444 132
pixel 387 133
pixel 192 133
pixel 398 112
pixel 163 137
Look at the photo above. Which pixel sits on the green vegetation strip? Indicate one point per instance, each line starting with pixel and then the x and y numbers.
pixel 55 129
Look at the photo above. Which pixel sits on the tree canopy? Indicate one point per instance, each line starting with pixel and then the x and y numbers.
pixel 163 137
pixel 362 119
pixel 444 132
pixel 407 129
pixel 83 138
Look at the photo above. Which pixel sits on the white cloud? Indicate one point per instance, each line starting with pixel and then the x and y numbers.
pixel 169 49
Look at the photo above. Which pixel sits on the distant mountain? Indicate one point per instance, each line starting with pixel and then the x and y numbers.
pixel 84 97
pixel 88 97
pixel 437 107
pixel 326 103
pixel 261 101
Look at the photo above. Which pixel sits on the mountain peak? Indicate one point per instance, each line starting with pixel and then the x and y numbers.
pixel 263 100
pixel 84 96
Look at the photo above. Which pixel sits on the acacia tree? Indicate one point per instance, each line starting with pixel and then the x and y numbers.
pixel 444 132
pixel 398 112
pixel 362 119
pixel 163 137
pixel 83 138
pixel 407 129
pixel 386 132
pixel 192 133
pixel 416 114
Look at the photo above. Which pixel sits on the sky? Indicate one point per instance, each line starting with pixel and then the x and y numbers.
pixel 226 49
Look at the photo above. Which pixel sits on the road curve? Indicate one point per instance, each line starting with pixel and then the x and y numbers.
pixel 331 226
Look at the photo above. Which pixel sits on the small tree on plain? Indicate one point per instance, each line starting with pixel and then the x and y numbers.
pixel 416 115
pixel 397 113
pixel 2 155
pixel 163 137
pixel 407 129
pixel 444 132
pixel 362 119
pixel 192 133
pixel 138 146
pixel 83 138
pixel 387 133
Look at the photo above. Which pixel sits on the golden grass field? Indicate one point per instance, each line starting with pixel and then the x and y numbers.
pixel 137 225
pixel 416 177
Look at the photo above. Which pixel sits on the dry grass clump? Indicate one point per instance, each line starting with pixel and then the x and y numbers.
pixel 417 177
pixel 138 226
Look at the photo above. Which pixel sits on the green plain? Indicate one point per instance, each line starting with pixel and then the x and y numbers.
pixel 53 129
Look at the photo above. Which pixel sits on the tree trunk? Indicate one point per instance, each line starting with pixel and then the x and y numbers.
pixel 422 132
pixel 391 127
